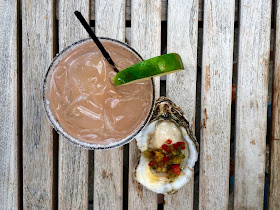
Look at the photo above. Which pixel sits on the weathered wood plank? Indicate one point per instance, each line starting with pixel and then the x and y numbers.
pixel 37 54
pixel 217 60
pixel 181 87
pixel 73 161
pixel 9 173
pixel 251 114
pixel 274 185
pixel 146 40
pixel 108 164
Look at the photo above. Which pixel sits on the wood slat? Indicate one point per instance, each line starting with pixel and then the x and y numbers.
pixel 251 116
pixel 146 40
pixel 181 87
pixel 9 173
pixel 108 164
pixel 274 185
pixel 217 61
pixel 73 161
pixel 37 54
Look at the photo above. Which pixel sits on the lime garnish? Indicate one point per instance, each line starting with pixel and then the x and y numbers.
pixel 157 66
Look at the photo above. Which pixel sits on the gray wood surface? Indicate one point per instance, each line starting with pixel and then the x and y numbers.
pixel 181 87
pixel 163 10
pixel 146 40
pixel 37 54
pixel 38 152
pixel 9 167
pixel 274 185
pixel 108 165
pixel 217 60
pixel 73 161
pixel 251 113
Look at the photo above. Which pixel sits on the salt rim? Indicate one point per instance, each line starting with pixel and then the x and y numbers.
pixel 56 124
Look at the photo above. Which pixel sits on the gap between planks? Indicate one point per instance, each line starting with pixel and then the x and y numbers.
pixel 274 176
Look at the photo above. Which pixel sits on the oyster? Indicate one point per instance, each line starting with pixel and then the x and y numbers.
pixel 168 143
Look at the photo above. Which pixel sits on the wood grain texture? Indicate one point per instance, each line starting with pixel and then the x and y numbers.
pixel 274 178
pixel 9 173
pixel 146 31
pixel 128 10
pixel 73 161
pixel 251 113
pixel 108 164
pixel 37 54
pixel 146 40
pixel 217 61
pixel 181 87
pixel 164 9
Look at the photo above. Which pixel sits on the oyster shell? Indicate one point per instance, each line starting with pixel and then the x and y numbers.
pixel 167 122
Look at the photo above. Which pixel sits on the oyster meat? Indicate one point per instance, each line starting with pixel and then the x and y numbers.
pixel 168 148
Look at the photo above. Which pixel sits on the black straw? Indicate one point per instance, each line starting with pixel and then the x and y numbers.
pixel 95 39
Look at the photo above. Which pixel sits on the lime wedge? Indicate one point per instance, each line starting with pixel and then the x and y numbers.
pixel 157 66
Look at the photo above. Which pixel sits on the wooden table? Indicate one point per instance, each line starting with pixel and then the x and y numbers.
pixel 40 170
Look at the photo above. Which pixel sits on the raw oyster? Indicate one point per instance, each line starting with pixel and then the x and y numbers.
pixel 167 123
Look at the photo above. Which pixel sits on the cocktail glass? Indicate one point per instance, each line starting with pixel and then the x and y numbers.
pixel 56 124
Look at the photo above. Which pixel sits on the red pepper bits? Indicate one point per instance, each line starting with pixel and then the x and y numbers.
pixel 176 169
pixel 179 145
pixel 151 163
pixel 164 147
pixel 168 141
pixel 165 159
